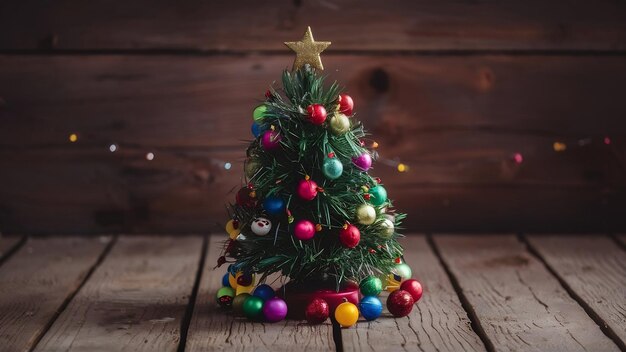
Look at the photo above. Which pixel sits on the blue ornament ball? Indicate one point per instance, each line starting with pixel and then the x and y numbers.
pixel 256 129
pixel 332 168
pixel 370 307
pixel 264 292
pixel 273 205
pixel 225 281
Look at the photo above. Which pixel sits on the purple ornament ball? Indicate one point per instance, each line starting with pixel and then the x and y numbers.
pixel 363 161
pixel 304 230
pixel 274 310
pixel 270 140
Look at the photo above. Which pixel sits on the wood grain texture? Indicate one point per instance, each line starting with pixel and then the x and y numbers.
pixel 37 280
pixel 350 25
pixel 519 304
pixel 437 323
pixel 212 329
pixel 594 268
pixel 134 301
pixel 8 244
pixel 456 121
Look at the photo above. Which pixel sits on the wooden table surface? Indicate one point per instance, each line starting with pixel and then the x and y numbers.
pixel 156 293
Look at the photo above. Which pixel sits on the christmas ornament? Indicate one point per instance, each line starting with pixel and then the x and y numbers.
pixel 253 308
pixel 339 124
pixel 378 195
pixel 365 214
pixel 400 303
pixel 259 113
pixel 346 314
pixel 392 282
pixel 274 310
pixel 251 168
pixel 346 105
pixel 270 140
pixel 413 287
pixel 403 270
pixel 307 189
pixel 225 280
pixel 232 229
pixel 261 226
pixel 370 307
pixel 388 228
pixel 273 205
pixel 371 286
pixel 245 279
pixel 304 230
pixel 307 51
pixel 241 289
pixel 246 197
pixel 232 279
pixel 255 129
pixel 317 311
pixel 363 161
pixel 332 168
pixel 349 236
pixel 238 303
pixel 224 296
pixel 264 292
pixel 316 114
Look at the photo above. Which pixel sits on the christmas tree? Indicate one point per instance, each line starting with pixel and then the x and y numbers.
pixel 309 209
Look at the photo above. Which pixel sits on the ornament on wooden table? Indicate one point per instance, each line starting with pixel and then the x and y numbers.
pixel 225 296
pixel 400 303
pixel 274 310
pixel 317 311
pixel 346 314
pixel 370 307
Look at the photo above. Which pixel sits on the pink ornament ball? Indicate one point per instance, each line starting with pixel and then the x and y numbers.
pixel 304 230
pixel 307 189
pixel 270 140
pixel 363 161
pixel 274 310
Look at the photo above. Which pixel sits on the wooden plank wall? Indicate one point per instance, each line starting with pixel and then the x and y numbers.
pixel 454 90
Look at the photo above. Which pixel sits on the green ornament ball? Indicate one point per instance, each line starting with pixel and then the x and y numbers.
pixel 259 113
pixel 388 228
pixel 253 308
pixel 404 271
pixel 224 296
pixel 332 168
pixel 371 286
pixel 238 303
pixel 378 195
pixel 339 124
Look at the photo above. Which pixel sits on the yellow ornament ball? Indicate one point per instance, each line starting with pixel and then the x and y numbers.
pixel 346 314
pixel 365 214
pixel 232 280
pixel 339 124
pixel 232 229
pixel 244 289
pixel 392 282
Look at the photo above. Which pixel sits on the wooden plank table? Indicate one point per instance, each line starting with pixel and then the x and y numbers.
pixel 482 293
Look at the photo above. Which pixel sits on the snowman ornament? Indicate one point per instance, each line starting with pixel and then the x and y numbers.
pixel 261 226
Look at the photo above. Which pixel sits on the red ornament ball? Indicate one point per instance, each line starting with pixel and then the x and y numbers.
pixel 414 288
pixel 307 189
pixel 304 230
pixel 346 104
pixel 350 236
pixel 317 114
pixel 400 303
pixel 244 197
pixel 317 311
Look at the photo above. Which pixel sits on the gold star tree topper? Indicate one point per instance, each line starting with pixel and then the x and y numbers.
pixel 308 51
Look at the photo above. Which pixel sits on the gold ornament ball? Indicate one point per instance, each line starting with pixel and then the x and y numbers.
pixel 231 230
pixel 365 214
pixel 346 314
pixel 339 124
pixel 238 303
pixel 388 228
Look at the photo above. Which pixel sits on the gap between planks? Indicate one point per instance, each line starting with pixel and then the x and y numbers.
pixel 538 249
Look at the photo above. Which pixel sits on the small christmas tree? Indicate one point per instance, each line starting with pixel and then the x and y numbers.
pixel 309 209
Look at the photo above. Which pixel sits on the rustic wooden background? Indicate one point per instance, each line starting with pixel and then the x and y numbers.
pixel 453 89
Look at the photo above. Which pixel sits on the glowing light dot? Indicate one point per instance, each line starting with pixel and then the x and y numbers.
pixel 150 156
pixel 73 137
pixel 113 148
pixel 227 166
pixel 559 146
pixel 402 167
pixel 518 158
pixel 607 140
